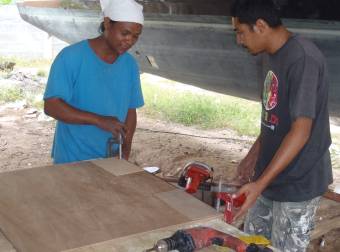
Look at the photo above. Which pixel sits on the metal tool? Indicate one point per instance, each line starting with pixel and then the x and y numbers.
pixel 111 142
pixel 212 186
pixel 189 240
pixel 219 189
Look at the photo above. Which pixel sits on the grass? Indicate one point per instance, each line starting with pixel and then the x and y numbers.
pixel 3 2
pixel 42 73
pixel 203 110
pixel 32 63
pixel 11 94
pixel 209 110
pixel 15 93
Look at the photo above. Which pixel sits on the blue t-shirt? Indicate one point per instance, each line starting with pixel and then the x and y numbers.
pixel 80 78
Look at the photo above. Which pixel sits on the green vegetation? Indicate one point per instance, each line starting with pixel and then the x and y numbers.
pixel 3 2
pixel 11 94
pixel 42 73
pixel 15 93
pixel 203 110
pixel 19 62
pixel 11 91
pixel 36 101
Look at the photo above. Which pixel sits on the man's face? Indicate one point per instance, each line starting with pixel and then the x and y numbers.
pixel 121 36
pixel 248 37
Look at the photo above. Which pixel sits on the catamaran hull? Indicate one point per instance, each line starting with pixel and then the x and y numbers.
pixel 197 50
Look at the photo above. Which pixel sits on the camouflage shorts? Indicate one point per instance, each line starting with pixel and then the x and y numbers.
pixel 286 224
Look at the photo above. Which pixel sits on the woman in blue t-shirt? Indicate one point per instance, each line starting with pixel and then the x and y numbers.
pixel 93 89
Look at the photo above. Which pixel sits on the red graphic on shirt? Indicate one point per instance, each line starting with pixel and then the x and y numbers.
pixel 270 91
pixel 274 119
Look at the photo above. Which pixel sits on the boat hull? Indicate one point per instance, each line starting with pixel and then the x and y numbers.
pixel 197 50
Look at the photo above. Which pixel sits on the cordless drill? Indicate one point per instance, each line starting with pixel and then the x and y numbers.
pixel 189 240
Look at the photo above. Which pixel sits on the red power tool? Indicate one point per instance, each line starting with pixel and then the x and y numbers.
pixel 230 204
pixel 189 240
pixel 195 173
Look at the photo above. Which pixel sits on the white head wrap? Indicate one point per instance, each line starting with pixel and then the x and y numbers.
pixel 123 10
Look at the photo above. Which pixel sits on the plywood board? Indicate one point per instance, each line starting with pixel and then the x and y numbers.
pixel 332 195
pixel 62 207
pixel 116 166
pixel 5 245
pixel 142 241
pixel 186 204
pixel 325 226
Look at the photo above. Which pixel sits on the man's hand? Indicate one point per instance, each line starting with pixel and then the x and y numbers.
pixel 246 168
pixel 244 173
pixel 252 191
pixel 111 124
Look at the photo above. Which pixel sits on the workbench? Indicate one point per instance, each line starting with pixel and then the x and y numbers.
pixel 99 205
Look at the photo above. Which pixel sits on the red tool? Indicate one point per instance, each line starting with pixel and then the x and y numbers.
pixel 230 204
pixel 189 240
pixel 194 173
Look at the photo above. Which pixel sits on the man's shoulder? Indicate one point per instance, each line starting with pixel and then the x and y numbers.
pixel 307 48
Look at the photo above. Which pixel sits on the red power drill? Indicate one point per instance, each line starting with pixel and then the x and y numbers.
pixel 189 240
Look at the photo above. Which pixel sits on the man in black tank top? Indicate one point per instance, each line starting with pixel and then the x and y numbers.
pixel 290 161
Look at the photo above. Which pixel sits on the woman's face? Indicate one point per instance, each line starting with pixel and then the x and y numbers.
pixel 121 36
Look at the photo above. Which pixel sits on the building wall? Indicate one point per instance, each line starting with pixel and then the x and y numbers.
pixel 20 39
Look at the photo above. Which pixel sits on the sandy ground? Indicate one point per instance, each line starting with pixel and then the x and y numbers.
pixel 26 136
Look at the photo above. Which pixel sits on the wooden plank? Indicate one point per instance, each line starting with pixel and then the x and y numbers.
pixel 61 207
pixel 140 242
pixel 325 226
pixel 116 167
pixel 330 194
pixel 5 245
pixel 186 204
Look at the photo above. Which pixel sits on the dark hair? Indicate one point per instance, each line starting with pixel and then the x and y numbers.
pixel 101 28
pixel 249 11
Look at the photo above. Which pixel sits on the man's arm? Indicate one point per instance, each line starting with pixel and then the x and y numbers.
pixel 60 110
pixel 246 167
pixel 290 147
pixel 130 122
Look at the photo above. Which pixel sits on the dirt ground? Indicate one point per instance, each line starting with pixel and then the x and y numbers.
pixel 26 136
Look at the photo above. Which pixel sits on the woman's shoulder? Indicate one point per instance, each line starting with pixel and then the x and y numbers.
pixel 74 49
